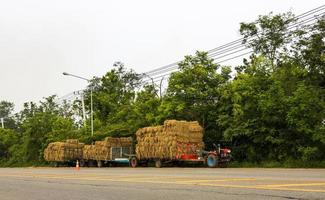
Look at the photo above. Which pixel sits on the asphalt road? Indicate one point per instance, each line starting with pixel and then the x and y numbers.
pixel 164 183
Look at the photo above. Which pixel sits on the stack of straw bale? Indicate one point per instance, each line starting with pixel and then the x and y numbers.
pixel 64 151
pixel 170 140
pixel 88 152
pixel 101 150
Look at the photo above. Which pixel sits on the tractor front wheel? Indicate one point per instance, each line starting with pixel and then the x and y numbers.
pixel 212 161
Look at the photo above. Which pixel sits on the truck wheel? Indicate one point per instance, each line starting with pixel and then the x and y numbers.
pixel 212 161
pixel 158 163
pixel 133 162
pixel 99 163
pixel 82 163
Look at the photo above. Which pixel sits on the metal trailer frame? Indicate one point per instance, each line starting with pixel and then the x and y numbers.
pixel 215 158
pixel 118 155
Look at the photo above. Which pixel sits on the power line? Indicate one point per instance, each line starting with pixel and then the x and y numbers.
pixel 70 97
pixel 296 18
pixel 229 46
pixel 169 70
pixel 174 66
pixel 157 79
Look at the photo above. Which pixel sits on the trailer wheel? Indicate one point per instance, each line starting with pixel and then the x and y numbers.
pixel 56 164
pixel 82 163
pixel 133 162
pixel 99 163
pixel 212 161
pixel 158 163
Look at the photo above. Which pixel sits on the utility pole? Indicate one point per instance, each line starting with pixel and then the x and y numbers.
pixel 83 108
pixel 81 94
pixel 2 123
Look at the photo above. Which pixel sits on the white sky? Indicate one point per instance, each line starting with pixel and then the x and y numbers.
pixel 40 39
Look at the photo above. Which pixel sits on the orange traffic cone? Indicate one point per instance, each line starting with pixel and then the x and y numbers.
pixel 77 165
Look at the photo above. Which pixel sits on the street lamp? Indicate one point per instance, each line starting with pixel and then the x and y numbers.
pixel 91 100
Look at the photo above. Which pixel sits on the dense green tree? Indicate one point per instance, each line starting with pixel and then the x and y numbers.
pixel 310 52
pixel 193 93
pixel 8 138
pixel 6 113
pixel 113 96
pixel 270 35
pixel 6 108
pixel 146 106
pixel 273 109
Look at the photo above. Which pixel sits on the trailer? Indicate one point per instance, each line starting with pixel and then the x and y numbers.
pixel 118 156
pixel 219 157
pixel 109 152
pixel 64 153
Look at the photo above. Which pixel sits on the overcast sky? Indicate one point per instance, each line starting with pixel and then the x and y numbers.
pixel 40 39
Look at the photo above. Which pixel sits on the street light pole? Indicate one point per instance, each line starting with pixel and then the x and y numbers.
pixel 91 111
pixel 91 100
pixel 2 123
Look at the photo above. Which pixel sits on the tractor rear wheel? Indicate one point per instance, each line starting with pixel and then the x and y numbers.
pixel 212 161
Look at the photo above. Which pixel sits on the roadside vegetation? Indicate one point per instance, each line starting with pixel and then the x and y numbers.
pixel 270 110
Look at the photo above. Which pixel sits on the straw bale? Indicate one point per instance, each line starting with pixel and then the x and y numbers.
pixel 101 150
pixel 64 151
pixel 170 140
pixel 72 141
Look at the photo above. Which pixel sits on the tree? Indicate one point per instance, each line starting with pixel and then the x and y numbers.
pixel 273 109
pixel 269 35
pixel 6 113
pixel 41 124
pixel 113 96
pixel 8 138
pixel 305 116
pixel 146 106
pixel 193 93
pixel 310 52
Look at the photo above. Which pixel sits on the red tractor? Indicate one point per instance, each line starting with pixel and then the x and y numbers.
pixel 217 158
pixel 220 157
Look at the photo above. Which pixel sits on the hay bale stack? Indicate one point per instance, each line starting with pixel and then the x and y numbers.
pixel 64 151
pixel 169 141
pixel 101 150
pixel 88 152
